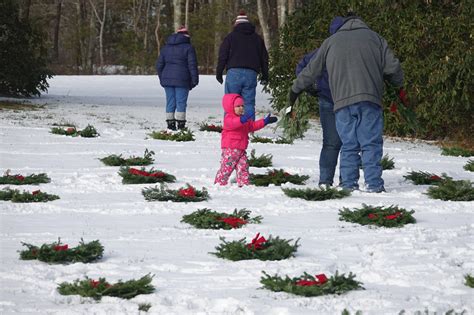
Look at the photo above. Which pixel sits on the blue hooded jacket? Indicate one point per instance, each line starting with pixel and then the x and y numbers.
pixel 322 82
pixel 177 64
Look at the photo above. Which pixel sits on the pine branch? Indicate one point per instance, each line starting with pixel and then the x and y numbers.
pixel 96 289
pixel 18 179
pixel 271 249
pixel 7 193
pixel 88 132
pixel 469 280
pixel 391 216
pixel 425 178
pixel 456 151
pixel 258 139
pixel 57 253
pixel 180 136
pixel 188 194
pixel 315 194
pixel 307 285
pixel 277 178
pixel 296 124
pixel 118 160
pixel 213 128
pixel 469 166
pixel 264 160
pixel 135 176
pixel 455 190
pixel 386 162
pixel 208 219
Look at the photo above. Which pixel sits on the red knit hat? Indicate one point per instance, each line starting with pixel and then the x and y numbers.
pixel 183 30
pixel 241 18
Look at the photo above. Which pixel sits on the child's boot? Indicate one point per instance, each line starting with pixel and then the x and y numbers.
pixel 171 124
pixel 181 124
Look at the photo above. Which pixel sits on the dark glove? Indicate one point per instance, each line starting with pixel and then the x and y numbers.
pixel 219 78
pixel 402 95
pixel 292 97
pixel 270 119
pixel 245 117
pixel 312 90
pixel 264 80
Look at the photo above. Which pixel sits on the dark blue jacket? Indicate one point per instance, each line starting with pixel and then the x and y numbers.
pixel 177 64
pixel 322 82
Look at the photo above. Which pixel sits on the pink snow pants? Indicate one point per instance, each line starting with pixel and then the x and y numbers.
pixel 233 159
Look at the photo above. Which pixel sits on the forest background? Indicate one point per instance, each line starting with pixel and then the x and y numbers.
pixel 433 40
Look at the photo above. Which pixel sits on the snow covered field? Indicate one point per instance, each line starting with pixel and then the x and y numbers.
pixel 415 268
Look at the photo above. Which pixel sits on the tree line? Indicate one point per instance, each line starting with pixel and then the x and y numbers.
pixel 88 36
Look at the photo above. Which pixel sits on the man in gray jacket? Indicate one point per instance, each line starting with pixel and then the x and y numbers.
pixel 357 60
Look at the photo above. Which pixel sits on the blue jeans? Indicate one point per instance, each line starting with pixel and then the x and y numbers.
pixel 244 82
pixel 360 127
pixel 331 143
pixel 176 100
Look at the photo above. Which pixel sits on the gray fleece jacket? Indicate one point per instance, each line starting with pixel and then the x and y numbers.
pixel 357 60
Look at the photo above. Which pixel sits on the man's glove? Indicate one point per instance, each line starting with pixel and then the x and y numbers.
pixel 219 78
pixel 402 95
pixel 292 97
pixel 245 117
pixel 264 80
pixel 270 119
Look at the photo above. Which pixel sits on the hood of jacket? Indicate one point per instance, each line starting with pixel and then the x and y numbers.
pixel 352 23
pixel 336 23
pixel 228 102
pixel 177 38
pixel 246 28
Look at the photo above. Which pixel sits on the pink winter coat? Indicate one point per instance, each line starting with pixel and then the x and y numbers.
pixel 235 135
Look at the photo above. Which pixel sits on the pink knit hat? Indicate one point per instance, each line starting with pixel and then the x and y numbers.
pixel 183 30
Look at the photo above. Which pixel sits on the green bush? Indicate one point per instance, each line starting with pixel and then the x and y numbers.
pixel 23 63
pixel 433 41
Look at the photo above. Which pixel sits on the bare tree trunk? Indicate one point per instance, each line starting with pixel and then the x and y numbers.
pixel 56 31
pixel 263 24
pixel 217 33
pixel 291 6
pixel 186 13
pixel 26 11
pixel 176 14
pixel 281 9
pixel 91 45
pixel 147 15
pixel 157 28
pixel 101 31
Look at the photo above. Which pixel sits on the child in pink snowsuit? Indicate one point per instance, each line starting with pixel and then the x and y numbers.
pixel 235 139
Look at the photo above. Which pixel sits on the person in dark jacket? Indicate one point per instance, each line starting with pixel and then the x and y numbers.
pixel 178 71
pixel 331 141
pixel 357 60
pixel 244 55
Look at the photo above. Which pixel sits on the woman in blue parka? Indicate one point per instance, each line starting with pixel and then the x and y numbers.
pixel 178 72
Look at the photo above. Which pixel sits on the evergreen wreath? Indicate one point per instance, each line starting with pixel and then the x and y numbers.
pixel 18 179
pixel 307 285
pixel 180 136
pixel 61 253
pixel 88 132
pixel 469 280
pixel 469 166
pixel 208 219
pixel 277 178
pixel 260 248
pixel 264 160
pixel 457 151
pixel 141 176
pixel 425 178
pixel 96 289
pixel 184 194
pixel 454 190
pixel 213 128
pixel 296 122
pixel 118 160
pixel 391 216
pixel 316 194
pixel 279 140
pixel 14 195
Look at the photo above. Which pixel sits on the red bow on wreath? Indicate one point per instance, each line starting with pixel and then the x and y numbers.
pixel 36 192
pixel 19 177
pixel 233 221
pixel 134 171
pixel 320 280
pixel 393 216
pixel 372 216
pixel 187 192
pixel 60 248
pixel 257 242
pixel 435 177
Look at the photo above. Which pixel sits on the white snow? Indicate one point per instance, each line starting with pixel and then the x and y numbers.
pixel 415 268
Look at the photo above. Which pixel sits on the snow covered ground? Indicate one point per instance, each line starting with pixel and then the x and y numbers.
pixel 419 267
